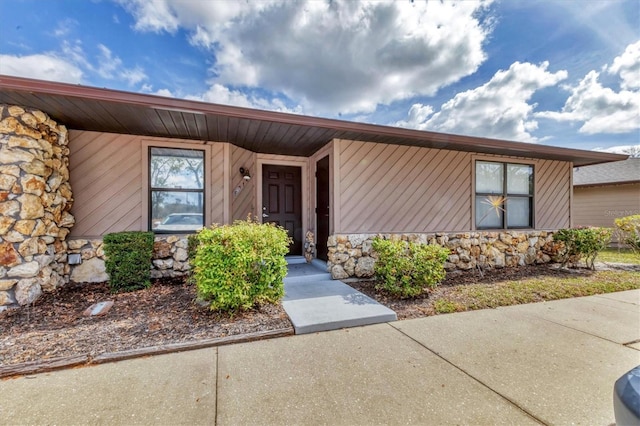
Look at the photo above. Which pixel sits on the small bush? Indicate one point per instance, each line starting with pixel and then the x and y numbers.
pixel 241 265
pixel 582 243
pixel 128 260
pixel 628 229
pixel 443 306
pixel 408 269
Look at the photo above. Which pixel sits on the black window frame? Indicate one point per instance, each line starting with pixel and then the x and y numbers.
pixel 506 195
pixel 151 189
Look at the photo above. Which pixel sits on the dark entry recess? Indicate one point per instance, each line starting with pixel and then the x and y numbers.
pixel 322 207
pixel 282 201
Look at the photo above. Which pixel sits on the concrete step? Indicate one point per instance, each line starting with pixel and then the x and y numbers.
pixel 295 260
pixel 306 272
pixel 329 305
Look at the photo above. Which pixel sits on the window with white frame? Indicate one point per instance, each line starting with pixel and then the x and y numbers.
pixel 176 193
pixel 504 195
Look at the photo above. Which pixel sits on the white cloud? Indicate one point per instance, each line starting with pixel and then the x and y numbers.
pixel 498 109
pixel 152 15
pixel 219 94
pixel 601 109
pixel 110 67
pixel 133 76
pixel 633 150
pixel 331 57
pixel 45 66
pixel 64 27
pixel 627 66
pixel 417 117
pixel 70 65
pixel 164 92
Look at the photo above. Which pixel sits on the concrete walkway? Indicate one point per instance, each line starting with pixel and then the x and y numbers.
pixel 545 363
pixel 315 302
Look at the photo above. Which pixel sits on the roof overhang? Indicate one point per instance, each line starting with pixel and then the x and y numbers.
pixel 617 183
pixel 104 110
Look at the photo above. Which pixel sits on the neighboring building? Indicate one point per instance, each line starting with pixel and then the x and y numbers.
pixel 133 161
pixel 603 192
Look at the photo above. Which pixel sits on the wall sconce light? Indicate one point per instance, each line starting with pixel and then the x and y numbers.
pixel 245 173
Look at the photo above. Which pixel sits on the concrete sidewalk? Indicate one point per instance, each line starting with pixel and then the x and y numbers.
pixel 315 302
pixel 549 363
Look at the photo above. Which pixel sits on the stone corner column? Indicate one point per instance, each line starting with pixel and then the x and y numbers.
pixel 35 204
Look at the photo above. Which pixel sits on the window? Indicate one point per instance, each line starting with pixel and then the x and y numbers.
pixel 176 195
pixel 504 195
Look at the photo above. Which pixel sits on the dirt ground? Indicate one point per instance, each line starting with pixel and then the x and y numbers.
pixel 54 326
pixel 164 313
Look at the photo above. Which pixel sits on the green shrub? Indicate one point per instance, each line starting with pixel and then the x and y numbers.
pixel 628 229
pixel 241 265
pixel 408 269
pixel 128 260
pixel 582 243
pixel 443 306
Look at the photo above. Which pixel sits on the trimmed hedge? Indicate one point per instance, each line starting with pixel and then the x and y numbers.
pixel 408 269
pixel 128 260
pixel 242 265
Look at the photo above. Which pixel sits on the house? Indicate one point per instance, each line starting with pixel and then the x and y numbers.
pixel 603 192
pixel 80 162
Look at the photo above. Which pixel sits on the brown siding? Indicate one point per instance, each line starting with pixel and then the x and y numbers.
pixel 216 186
pixel 105 176
pixel 392 188
pixel 108 181
pixel 600 205
pixel 553 194
pixel 242 202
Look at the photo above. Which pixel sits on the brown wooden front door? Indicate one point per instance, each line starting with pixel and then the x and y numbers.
pixel 322 207
pixel 282 201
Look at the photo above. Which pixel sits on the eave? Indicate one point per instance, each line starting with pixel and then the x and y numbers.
pixel 105 110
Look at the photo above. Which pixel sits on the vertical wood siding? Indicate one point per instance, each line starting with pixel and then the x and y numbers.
pixel 553 194
pixel 391 188
pixel 105 176
pixel 243 203
pixel 600 205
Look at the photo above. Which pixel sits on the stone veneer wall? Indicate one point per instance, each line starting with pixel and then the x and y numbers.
pixel 35 199
pixel 170 259
pixel 351 255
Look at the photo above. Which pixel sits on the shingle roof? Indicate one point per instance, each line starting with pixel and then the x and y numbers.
pixel 608 173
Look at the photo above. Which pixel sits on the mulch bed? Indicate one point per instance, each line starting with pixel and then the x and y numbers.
pixel 166 314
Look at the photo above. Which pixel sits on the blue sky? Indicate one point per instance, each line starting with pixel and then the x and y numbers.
pixel 563 73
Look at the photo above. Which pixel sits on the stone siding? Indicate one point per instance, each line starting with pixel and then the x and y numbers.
pixel 35 200
pixel 170 259
pixel 351 255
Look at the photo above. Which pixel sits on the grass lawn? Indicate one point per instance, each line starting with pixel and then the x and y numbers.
pixel 535 289
pixel 612 255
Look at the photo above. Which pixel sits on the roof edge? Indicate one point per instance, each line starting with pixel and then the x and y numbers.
pixel 461 142
pixel 593 184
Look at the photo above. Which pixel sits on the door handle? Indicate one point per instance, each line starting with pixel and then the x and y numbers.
pixel 265 215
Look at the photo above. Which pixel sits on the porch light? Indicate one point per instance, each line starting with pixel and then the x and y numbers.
pixel 245 173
